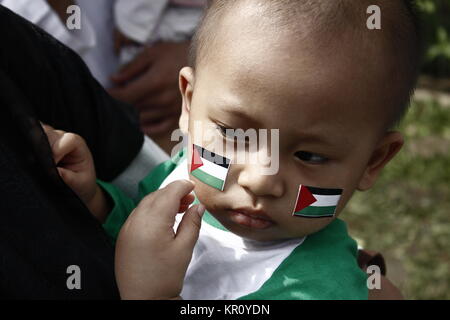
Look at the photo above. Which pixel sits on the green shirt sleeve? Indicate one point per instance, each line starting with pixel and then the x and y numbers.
pixel 154 180
pixel 123 205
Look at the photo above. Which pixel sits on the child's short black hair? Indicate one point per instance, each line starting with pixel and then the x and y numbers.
pixel 399 36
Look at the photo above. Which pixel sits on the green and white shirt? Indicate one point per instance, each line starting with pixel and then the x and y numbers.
pixel 225 266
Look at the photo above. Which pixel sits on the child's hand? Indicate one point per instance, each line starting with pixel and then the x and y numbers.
pixel 151 260
pixel 76 167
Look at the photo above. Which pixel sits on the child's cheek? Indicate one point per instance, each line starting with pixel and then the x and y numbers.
pixel 205 194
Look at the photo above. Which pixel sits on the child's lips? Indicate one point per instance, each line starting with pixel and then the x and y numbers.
pixel 250 218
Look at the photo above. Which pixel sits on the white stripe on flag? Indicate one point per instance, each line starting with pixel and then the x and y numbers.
pixel 325 201
pixel 213 169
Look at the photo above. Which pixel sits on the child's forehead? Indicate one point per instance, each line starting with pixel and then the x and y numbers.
pixel 285 79
pixel 248 50
pixel 300 104
pixel 254 53
pixel 306 120
pixel 283 75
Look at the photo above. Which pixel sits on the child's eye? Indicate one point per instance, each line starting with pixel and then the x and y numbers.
pixel 311 158
pixel 232 134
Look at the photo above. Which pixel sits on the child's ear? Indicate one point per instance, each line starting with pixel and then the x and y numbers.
pixel 186 83
pixel 385 150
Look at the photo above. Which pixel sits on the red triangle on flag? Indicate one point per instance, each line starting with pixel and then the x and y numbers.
pixel 196 160
pixel 305 198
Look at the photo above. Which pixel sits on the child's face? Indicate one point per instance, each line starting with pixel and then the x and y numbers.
pixel 328 118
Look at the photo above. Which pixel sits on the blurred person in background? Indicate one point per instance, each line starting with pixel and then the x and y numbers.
pixel 152 39
pixel 133 48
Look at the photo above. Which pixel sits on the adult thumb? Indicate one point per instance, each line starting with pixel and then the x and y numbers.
pixel 189 228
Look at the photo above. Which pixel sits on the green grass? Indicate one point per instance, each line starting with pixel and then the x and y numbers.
pixel 406 215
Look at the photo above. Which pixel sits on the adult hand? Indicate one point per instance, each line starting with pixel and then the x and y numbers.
pixel 121 40
pixel 60 7
pixel 150 83
pixel 151 259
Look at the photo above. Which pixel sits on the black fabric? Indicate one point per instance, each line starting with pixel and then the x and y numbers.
pixel 60 91
pixel 44 227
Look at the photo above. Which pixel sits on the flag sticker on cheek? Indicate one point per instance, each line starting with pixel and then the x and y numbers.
pixel 315 202
pixel 209 168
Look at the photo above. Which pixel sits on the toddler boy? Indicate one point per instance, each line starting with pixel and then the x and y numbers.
pixel 334 89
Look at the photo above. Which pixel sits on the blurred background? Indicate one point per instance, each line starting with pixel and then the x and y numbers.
pixel 406 216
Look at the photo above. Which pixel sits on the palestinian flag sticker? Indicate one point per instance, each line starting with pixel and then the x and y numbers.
pixel 315 202
pixel 209 168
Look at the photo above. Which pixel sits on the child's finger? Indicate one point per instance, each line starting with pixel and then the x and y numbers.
pixel 64 146
pixel 162 206
pixel 186 202
pixel 52 134
pixel 187 199
pixel 45 126
pixel 183 208
pixel 179 190
pixel 67 175
pixel 189 228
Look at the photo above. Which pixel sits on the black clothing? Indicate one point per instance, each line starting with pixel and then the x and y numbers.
pixel 44 226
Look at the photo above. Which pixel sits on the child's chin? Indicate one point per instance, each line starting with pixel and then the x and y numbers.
pixel 249 233
pixel 258 236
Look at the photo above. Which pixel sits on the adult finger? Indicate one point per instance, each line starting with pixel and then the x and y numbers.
pixel 167 98
pixel 160 126
pixel 136 90
pixel 138 65
pixel 130 93
pixel 151 115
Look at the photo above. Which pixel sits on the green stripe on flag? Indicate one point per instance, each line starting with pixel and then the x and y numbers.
pixel 208 179
pixel 317 211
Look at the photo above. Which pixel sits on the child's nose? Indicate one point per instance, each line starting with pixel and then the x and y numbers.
pixel 252 177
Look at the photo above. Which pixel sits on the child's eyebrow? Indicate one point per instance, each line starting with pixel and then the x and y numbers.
pixel 238 112
pixel 338 143
pixel 241 114
pixel 314 139
pixel 302 137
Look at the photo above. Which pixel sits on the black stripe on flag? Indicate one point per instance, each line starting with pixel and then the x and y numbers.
pixel 325 191
pixel 213 157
